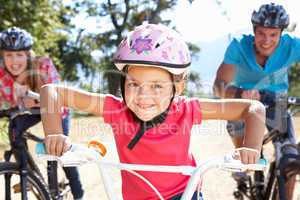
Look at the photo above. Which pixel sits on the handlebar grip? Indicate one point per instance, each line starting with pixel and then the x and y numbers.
pixel 40 148
pixel 262 161
pixel 33 95
pixel 232 164
pixel 259 166
pixel 41 152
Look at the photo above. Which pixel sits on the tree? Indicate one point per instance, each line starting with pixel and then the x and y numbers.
pixel 194 85
pixel 41 18
pixel 294 73
pixel 72 47
pixel 294 81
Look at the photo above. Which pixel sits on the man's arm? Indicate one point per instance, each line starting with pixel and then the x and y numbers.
pixel 225 75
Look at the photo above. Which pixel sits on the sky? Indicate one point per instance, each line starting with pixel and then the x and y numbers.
pixel 203 20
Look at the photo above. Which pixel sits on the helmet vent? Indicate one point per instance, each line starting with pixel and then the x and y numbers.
pixel 13 40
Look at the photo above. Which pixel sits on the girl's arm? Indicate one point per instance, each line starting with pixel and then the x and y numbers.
pixel 251 111
pixel 53 98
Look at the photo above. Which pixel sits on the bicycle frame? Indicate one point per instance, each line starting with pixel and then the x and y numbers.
pixel 278 140
pixel 260 189
pixel 24 158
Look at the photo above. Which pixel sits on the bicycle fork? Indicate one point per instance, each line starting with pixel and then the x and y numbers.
pixel 23 173
pixel 53 180
pixel 279 170
pixel 7 176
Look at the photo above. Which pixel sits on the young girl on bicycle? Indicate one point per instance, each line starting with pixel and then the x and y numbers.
pixel 151 123
pixel 22 71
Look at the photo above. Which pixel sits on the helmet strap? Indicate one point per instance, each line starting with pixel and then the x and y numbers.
pixel 144 126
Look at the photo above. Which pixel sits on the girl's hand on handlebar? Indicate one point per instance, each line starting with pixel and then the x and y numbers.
pixel 57 144
pixel 20 91
pixel 247 155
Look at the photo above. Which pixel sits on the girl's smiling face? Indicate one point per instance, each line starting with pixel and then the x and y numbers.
pixel 148 91
pixel 15 61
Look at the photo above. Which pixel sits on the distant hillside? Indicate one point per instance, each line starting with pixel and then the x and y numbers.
pixel 211 56
pixel 209 59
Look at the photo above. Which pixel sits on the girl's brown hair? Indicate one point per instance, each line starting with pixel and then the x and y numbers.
pixel 33 78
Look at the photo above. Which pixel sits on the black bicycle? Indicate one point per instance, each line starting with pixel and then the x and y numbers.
pixel 284 169
pixel 22 178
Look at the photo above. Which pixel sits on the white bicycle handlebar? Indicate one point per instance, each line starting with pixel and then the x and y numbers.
pixel 86 155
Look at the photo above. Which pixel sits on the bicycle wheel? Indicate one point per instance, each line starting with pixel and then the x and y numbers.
pixel 36 189
pixel 296 192
pixel 290 189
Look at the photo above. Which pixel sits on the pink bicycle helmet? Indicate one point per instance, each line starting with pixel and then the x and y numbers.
pixel 154 45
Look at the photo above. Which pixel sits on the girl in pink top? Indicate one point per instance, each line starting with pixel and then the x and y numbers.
pixel 22 71
pixel 151 122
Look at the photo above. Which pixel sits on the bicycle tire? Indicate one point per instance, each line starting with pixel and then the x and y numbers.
pixel 37 189
pixel 290 172
pixel 294 182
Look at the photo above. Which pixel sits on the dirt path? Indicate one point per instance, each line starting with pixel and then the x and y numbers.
pixel 209 139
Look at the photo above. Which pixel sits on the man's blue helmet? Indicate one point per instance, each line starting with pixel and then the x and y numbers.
pixel 271 16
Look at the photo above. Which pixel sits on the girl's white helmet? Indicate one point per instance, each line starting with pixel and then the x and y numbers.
pixel 154 45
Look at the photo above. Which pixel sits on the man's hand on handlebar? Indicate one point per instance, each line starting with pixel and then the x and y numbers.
pixel 250 94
